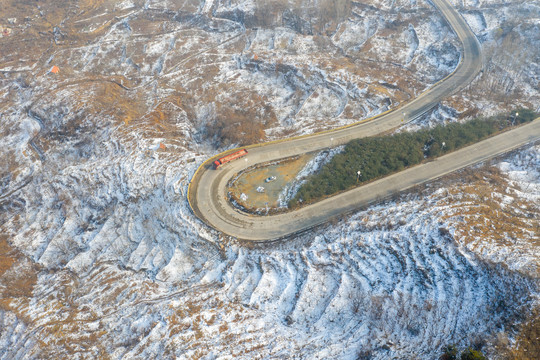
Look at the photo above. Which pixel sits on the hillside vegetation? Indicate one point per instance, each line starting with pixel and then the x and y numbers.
pixel 378 156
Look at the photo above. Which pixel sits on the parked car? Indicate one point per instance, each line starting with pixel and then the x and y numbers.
pixel 271 178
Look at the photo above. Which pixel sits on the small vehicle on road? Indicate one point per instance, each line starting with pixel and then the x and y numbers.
pixel 269 179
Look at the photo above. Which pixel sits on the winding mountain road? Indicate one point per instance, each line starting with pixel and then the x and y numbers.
pixel 207 191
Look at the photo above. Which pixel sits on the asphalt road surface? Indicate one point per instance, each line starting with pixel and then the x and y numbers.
pixel 207 190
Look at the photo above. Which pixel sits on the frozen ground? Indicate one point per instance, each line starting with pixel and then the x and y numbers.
pixel 110 261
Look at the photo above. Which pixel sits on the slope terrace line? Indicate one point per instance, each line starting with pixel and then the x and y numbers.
pixel 207 189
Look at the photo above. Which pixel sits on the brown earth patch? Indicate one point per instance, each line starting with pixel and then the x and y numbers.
pixel 528 341
pixel 486 214
pixel 248 182
pixel 18 274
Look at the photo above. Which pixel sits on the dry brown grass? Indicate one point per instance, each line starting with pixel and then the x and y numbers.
pixel 7 255
pixel 484 213
pixel 528 341
pixel 176 325
pixel 18 275
pixel 63 323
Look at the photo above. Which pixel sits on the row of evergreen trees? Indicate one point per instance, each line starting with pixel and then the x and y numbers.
pixel 379 156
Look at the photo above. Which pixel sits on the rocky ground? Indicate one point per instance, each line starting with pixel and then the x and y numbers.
pixel 100 255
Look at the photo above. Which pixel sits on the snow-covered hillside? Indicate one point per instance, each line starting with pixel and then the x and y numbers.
pixel 102 257
pixel 508 32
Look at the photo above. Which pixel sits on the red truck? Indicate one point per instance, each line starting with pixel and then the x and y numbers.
pixel 230 157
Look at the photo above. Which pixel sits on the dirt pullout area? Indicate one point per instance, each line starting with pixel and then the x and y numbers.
pixel 256 190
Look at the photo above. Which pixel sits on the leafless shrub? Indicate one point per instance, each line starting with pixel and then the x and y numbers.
pixel 241 121
pixel 317 18
pixel 507 63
